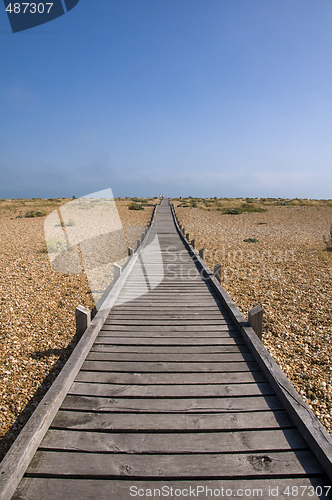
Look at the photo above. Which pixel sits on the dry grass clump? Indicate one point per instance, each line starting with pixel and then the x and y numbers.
pixel 37 308
pixel 288 271
pixel 236 206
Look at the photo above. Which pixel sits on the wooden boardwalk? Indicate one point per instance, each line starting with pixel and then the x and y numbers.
pixel 170 394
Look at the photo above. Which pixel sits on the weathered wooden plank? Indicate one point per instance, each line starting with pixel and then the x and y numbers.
pixel 160 349
pixel 169 281
pixel 184 286
pixel 156 315
pixel 227 421
pixel 171 301
pixel 169 357
pixel 174 442
pixel 165 306
pixel 236 366
pixel 191 330
pixel 197 295
pixel 141 341
pixel 150 332
pixel 185 298
pixel 169 378
pixel 145 297
pixel 184 294
pixel 178 282
pixel 89 489
pixel 165 322
pixel 175 405
pixel 173 328
pixel 132 309
pixel 68 464
pixel 124 342
pixel 173 391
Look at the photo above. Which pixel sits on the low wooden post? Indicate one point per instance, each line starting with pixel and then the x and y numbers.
pixel 138 244
pixel 255 318
pixel 192 243
pixel 187 236
pixel 201 253
pixel 142 236
pixel 217 271
pixel 117 271
pixel 183 231
pixel 83 319
pixel 130 251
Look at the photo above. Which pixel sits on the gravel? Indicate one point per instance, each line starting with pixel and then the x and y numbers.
pixel 37 310
pixel 288 272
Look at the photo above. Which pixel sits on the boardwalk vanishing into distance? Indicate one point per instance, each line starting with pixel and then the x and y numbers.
pixel 169 388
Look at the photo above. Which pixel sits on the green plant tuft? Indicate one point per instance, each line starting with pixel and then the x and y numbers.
pixel 232 211
pixel 33 213
pixel 135 206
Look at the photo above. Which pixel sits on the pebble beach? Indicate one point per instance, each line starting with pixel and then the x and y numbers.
pixel 284 267
pixel 37 309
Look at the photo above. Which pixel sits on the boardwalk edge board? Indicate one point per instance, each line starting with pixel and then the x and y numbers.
pixel 313 432
pixel 20 454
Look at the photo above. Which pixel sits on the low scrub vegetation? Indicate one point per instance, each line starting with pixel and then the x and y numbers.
pixel 231 211
pixel 140 203
pixel 35 207
pixel 238 206
pixel 33 213
pixel 135 206
pixel 245 207
pixel 251 240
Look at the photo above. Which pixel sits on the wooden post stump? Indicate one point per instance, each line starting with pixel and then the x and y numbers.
pixel 255 318
pixel 217 272
pixel 117 271
pixel 83 319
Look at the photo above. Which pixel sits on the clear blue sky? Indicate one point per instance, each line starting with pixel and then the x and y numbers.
pixel 181 97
